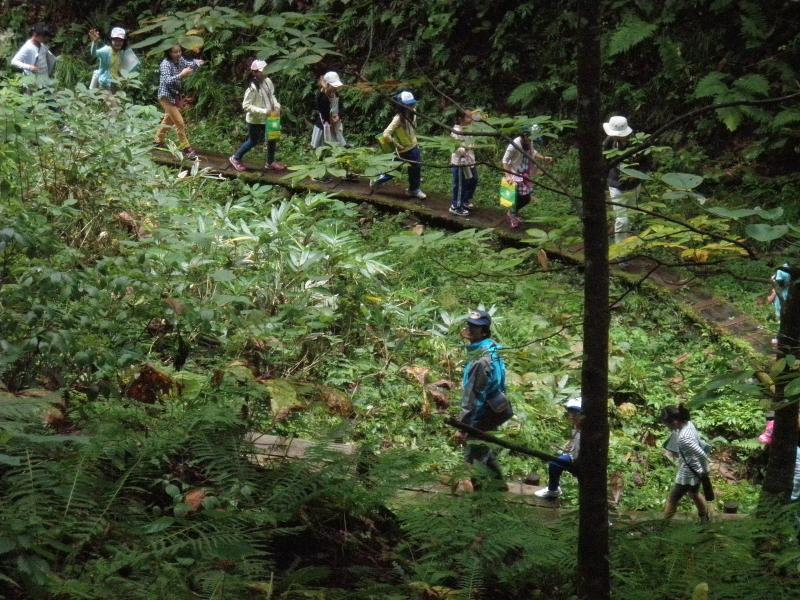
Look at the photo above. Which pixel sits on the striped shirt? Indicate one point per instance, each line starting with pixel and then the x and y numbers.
pixel 169 83
pixel 686 444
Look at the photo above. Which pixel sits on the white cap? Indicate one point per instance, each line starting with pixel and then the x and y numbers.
pixel 258 65
pixel 118 32
pixel 617 127
pixel 332 79
pixel 406 98
pixel 574 404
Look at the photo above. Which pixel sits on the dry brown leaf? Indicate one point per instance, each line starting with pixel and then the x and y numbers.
pixel 418 373
pixel 543 259
pixel 194 498
pixel 444 383
pixel 440 396
pixel 337 402
pixel 176 305
pixel 682 358
pixel 149 385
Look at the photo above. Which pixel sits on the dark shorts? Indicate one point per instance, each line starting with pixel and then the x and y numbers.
pixel 679 490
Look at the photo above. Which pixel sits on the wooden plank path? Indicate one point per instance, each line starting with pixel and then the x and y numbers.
pixel 695 301
pixel 270 449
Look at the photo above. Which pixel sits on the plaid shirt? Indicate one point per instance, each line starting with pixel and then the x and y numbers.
pixel 169 84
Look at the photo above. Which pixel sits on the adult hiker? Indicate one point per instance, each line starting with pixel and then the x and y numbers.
pixel 622 189
pixel 685 446
pixel 484 403
pixel 35 59
pixel 402 134
pixel 463 166
pixel 173 70
pixel 260 106
pixel 519 167
pixel 115 62
pixel 567 461
pixel 328 111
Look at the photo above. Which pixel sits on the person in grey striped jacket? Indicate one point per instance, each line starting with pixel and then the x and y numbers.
pixel 686 446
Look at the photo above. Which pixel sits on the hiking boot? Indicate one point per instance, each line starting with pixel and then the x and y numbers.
pixel 236 163
pixel 547 494
pixel 461 212
pixel 190 153
pixel 418 194
pixel 275 166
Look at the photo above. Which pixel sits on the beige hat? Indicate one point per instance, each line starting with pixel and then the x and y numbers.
pixel 258 65
pixel 118 32
pixel 617 127
pixel 332 79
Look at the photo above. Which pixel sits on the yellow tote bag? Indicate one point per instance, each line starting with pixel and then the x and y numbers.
pixel 508 193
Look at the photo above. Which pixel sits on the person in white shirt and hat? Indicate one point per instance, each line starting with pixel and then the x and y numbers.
pixel 259 104
pixel 35 59
pixel 115 62
pixel 328 110
pixel 621 189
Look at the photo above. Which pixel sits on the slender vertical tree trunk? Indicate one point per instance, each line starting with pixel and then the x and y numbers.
pixel 783 450
pixel 593 549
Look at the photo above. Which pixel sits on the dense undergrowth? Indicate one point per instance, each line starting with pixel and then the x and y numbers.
pixel 150 320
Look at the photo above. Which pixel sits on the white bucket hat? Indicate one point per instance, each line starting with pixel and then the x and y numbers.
pixel 574 404
pixel 332 79
pixel 406 98
pixel 617 127
pixel 258 65
pixel 118 32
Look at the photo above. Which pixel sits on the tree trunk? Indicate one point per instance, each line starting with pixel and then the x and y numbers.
pixel 783 450
pixel 593 549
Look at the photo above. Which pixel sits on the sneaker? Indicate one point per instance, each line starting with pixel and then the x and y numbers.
pixel 469 206
pixel 547 493
pixel 275 166
pixel 190 153
pixel 418 194
pixel 461 212
pixel 236 163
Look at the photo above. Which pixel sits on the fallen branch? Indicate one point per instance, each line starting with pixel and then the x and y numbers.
pixel 483 436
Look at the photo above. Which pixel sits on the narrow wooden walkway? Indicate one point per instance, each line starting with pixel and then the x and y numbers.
pixel 695 301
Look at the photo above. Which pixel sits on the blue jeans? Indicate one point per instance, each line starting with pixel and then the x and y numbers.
pixel 255 136
pixel 558 466
pixel 414 159
pixel 463 188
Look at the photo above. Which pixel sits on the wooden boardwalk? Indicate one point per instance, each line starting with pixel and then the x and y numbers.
pixel 695 301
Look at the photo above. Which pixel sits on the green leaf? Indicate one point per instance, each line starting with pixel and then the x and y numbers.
pixel 682 181
pixel 7 545
pixel 792 388
pixel 191 42
pixel 159 525
pixel 790 116
pixel 635 173
pixel 570 94
pixel 172 490
pixel 524 94
pixel 223 275
pixel 729 213
pixel 632 32
pixel 732 117
pixel 711 85
pixel 12 461
pixel 754 84
pixel 764 232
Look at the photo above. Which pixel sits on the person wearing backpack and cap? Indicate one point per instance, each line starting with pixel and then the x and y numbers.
pixel 519 167
pixel 115 62
pixel 259 104
pixel 621 189
pixel 172 71
pixel 484 404
pixel 567 461
pixel 328 112
pixel 402 132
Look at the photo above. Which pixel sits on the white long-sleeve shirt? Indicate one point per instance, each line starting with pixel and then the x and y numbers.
pixel 260 101
pixel 30 55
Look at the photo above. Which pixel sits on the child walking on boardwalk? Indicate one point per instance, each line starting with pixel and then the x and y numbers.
pixel 402 132
pixel 260 105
